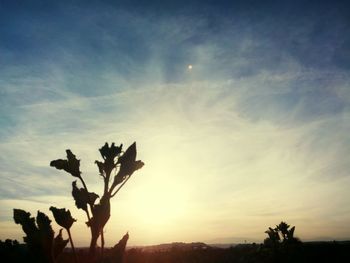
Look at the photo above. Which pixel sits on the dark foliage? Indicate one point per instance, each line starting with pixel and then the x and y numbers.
pixel 318 252
pixel 281 235
pixel 42 246
pixel 40 241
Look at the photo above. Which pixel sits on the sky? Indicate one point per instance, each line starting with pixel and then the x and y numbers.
pixel 255 133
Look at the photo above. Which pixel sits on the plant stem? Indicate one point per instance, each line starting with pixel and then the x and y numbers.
pixel 102 243
pixel 86 189
pixel 87 210
pixel 72 245
pixel 120 186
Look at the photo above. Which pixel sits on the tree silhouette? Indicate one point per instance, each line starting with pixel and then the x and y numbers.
pixel 117 164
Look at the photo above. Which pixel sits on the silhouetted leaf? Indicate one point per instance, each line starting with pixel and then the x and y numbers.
pixel 82 197
pixel 290 234
pixel 273 234
pixel 128 164
pixel 28 225
pixel 62 217
pixel 101 167
pixel 129 156
pixel 70 165
pixel 138 165
pixel 46 235
pixel 118 179
pixel 118 251
pixel 291 231
pixel 44 225
pixel 59 244
pixel 122 243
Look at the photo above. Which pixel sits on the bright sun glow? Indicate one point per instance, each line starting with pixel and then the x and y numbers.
pixel 232 144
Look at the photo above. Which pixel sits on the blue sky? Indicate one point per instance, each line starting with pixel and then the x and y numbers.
pixel 255 133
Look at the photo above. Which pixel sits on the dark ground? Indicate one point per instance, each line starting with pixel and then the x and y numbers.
pixel 305 252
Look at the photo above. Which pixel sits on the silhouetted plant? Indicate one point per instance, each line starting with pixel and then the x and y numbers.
pixel 123 165
pixel 60 244
pixel 281 234
pixel 42 245
pixel 65 220
pixel 40 240
pixel 273 238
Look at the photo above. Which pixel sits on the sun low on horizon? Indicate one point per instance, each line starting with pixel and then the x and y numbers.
pixel 241 116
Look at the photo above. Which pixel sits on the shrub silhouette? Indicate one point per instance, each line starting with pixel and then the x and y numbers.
pixel 281 234
pixel 40 240
pixel 42 245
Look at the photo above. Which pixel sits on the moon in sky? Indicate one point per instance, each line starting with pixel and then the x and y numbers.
pixel 190 67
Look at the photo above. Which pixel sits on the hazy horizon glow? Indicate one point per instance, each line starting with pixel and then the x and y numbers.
pixel 255 132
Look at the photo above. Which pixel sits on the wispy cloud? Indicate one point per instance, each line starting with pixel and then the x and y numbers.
pixel 256 132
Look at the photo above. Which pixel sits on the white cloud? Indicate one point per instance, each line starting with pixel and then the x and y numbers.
pixel 225 149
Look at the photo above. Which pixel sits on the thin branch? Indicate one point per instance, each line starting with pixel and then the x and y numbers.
pixel 72 245
pixel 103 176
pixel 83 182
pixel 112 195
pixel 88 215
pixel 110 190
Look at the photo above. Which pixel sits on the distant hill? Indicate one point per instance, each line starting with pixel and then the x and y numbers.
pixel 223 245
pixel 233 240
pixel 179 246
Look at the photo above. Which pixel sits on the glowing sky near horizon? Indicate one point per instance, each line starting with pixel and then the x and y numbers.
pixel 256 131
